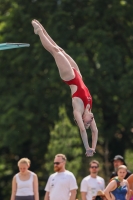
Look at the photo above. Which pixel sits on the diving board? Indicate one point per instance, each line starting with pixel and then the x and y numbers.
pixel 4 46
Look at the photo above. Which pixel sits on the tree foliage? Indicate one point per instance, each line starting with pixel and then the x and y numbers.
pixel 98 34
pixel 64 138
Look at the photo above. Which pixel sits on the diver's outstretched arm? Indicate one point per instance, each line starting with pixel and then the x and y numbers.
pixel 79 120
pixel 94 132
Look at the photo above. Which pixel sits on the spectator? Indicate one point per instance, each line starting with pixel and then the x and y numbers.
pixel 62 184
pixel 92 183
pixel 117 161
pixel 24 183
pixel 118 188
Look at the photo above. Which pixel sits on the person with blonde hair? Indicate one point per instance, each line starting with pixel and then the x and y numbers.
pixel 25 183
pixel 81 97
pixel 118 188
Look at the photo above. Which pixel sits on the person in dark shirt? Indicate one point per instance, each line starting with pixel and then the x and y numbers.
pixel 117 161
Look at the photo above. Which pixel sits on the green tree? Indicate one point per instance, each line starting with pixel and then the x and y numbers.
pixel 98 35
pixel 64 138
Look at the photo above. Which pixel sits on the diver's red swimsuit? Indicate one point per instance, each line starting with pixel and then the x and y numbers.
pixel 82 91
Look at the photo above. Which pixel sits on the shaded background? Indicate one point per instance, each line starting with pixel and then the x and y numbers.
pixel 36 118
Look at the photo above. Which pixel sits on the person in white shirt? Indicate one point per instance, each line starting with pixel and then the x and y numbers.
pixel 25 183
pixel 92 183
pixel 62 184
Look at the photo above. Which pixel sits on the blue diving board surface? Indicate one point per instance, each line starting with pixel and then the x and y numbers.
pixel 4 46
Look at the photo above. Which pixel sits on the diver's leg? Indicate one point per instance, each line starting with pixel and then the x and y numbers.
pixel 72 62
pixel 64 66
pixel 46 34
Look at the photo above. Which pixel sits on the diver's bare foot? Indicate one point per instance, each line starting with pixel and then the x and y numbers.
pixel 36 26
pixel 40 25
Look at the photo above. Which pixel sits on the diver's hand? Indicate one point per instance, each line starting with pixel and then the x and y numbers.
pixel 90 152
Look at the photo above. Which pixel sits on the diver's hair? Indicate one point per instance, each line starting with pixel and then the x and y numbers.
pixel 122 167
pixel 94 161
pixel 61 156
pixel 24 160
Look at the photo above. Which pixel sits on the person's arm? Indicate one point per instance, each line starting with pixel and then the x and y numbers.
pixel 84 189
pixel 35 187
pixel 130 181
pixel 47 188
pixel 110 187
pixel 84 136
pixel 72 186
pixel 94 132
pixel 82 129
pixel 46 197
pixel 73 194
pixel 83 195
pixel 128 191
pixel 14 188
pixel 130 184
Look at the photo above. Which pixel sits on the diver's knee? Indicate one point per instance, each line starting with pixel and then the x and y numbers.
pixel 56 51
